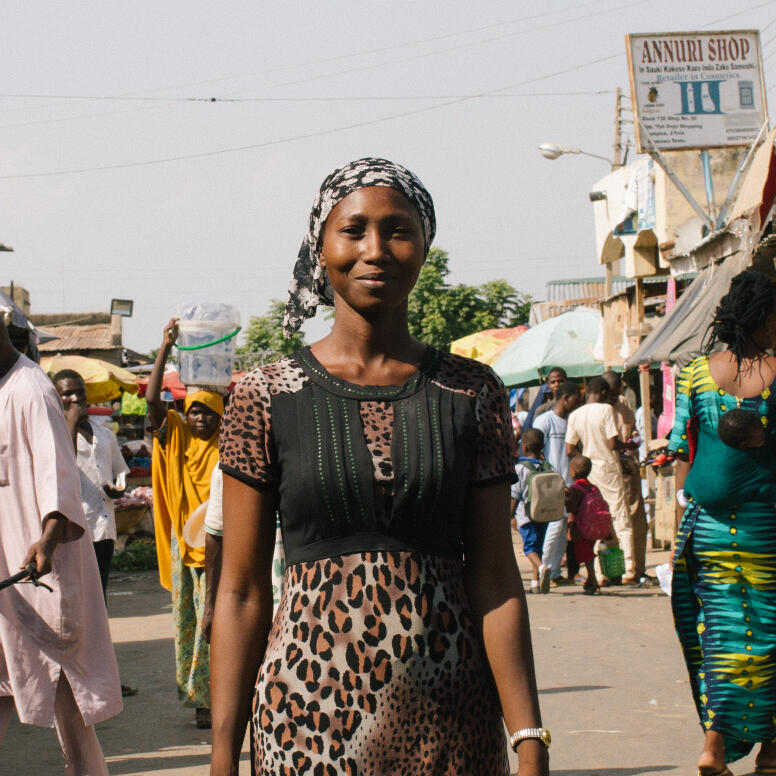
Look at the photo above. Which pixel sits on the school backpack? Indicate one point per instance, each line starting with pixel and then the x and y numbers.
pixel 594 521
pixel 545 493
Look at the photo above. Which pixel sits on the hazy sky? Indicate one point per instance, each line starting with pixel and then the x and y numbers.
pixel 313 85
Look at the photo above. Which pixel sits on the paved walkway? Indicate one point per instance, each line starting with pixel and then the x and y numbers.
pixel 613 689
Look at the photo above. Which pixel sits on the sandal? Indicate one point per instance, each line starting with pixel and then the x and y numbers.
pixel 764 768
pixel 591 589
pixel 203 719
pixel 726 772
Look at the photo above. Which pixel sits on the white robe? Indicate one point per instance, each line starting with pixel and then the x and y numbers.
pixel 43 633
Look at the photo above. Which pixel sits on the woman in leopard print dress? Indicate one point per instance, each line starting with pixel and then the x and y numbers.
pixel 402 635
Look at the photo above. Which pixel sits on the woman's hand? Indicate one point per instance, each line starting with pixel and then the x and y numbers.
pixel 170 333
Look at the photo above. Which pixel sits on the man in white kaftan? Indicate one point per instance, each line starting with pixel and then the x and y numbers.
pixel 57 665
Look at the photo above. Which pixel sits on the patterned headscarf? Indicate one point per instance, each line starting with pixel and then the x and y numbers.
pixel 310 284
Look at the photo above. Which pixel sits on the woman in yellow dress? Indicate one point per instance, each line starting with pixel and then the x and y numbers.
pixel 184 456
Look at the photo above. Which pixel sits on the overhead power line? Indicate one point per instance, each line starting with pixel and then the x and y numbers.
pixel 340 57
pixel 742 12
pixel 332 98
pixel 586 93
pixel 319 133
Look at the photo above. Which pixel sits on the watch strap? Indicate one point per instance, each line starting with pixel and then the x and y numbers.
pixel 539 734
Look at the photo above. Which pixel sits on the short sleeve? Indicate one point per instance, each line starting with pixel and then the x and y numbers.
pixel 683 412
pixel 494 460
pixel 516 489
pixel 572 435
pixel 610 423
pixel 245 433
pixel 214 515
pixel 55 472
pixel 118 464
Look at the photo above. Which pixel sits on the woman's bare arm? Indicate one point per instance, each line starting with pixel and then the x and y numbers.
pixel 156 408
pixel 242 619
pixel 497 599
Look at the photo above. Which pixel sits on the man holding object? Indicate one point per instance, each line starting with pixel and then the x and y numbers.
pixel 57 665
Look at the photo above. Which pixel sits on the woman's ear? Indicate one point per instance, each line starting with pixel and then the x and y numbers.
pixel 322 260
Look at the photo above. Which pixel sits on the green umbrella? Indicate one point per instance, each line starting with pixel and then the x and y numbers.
pixel 568 341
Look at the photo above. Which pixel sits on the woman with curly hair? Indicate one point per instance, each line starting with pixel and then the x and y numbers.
pixel 724 588
pixel 389 463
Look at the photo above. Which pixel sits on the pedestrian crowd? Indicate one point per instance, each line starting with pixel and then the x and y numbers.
pixel 387 631
pixel 602 489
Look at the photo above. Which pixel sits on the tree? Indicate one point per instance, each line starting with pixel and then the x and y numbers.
pixel 264 338
pixel 440 313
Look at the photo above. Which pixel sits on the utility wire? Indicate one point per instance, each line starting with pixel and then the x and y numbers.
pixel 341 57
pixel 320 133
pixel 372 66
pixel 451 49
pixel 332 98
pixel 739 13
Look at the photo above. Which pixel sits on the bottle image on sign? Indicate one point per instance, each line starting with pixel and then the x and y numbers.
pixel 746 95
pixel 700 98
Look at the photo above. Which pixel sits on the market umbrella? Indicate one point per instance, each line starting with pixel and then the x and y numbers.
pixel 486 345
pixel 567 341
pixel 103 381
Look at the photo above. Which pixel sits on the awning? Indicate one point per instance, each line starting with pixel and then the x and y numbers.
pixel 679 337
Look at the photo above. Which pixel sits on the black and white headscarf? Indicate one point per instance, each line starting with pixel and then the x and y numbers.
pixel 310 285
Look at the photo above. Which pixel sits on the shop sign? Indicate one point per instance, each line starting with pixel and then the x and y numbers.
pixel 696 89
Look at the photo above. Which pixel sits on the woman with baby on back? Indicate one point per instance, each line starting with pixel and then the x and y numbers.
pixel 724 585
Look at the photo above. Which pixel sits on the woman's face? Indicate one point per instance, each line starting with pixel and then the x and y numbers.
pixel 202 421
pixel 373 248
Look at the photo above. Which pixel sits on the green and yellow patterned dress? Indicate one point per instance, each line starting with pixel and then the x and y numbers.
pixel 724 588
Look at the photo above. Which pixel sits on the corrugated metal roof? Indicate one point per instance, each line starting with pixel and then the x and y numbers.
pixel 586 290
pixel 91 337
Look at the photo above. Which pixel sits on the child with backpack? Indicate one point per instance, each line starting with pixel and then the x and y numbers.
pixel 589 518
pixel 538 497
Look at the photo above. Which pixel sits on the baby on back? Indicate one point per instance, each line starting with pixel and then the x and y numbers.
pixel 741 429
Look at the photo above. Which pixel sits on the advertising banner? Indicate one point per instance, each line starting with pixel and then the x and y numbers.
pixel 696 89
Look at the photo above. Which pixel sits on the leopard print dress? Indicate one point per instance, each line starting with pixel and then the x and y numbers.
pixel 373 666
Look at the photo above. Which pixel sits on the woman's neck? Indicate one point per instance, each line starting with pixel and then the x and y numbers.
pixel 375 350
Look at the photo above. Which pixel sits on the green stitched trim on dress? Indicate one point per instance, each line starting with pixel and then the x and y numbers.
pixel 437 443
pixel 352 459
pixel 337 462
pixel 406 447
pixel 421 462
pixel 319 444
pixel 367 391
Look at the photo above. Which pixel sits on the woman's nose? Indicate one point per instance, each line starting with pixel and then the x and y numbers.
pixel 373 245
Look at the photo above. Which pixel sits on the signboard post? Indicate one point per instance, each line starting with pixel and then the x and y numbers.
pixel 696 89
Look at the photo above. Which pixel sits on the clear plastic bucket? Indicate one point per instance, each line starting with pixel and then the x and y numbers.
pixel 205 327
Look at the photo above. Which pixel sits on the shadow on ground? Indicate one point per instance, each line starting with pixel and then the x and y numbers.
pixel 574 688
pixel 133 765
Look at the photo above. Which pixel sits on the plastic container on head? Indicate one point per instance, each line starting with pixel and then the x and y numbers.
pixel 207 335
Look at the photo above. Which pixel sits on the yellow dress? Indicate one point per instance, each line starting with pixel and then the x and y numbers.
pixel 181 469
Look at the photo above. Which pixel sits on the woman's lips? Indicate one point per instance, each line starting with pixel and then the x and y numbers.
pixel 376 281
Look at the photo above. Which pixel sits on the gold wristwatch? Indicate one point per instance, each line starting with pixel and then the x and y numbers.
pixel 540 734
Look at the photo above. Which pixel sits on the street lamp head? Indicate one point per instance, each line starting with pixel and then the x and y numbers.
pixel 550 150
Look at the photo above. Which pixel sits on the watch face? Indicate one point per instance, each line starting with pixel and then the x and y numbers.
pixel 546 737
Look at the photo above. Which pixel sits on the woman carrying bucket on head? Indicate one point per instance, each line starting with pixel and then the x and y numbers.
pixel 184 456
